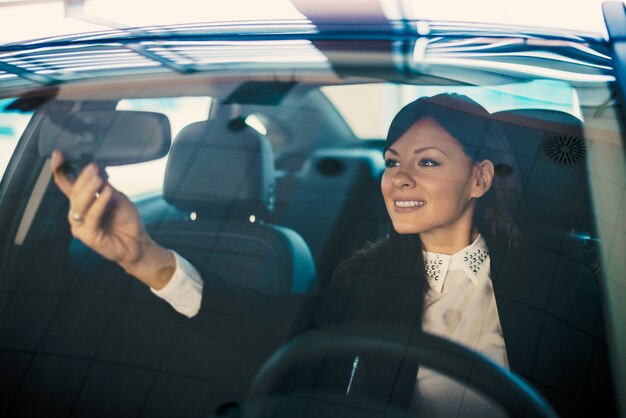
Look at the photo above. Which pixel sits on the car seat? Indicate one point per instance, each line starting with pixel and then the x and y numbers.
pixel 562 298
pixel 334 202
pixel 550 151
pixel 220 175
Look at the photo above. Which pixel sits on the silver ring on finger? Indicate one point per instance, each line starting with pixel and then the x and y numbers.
pixel 96 195
pixel 77 217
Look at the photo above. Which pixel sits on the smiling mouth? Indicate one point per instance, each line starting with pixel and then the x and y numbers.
pixel 408 203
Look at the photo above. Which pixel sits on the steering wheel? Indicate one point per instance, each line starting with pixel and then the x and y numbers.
pixel 510 391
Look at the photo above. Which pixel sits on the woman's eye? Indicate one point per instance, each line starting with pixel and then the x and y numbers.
pixel 389 163
pixel 427 162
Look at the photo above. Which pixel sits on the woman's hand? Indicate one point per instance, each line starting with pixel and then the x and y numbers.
pixel 109 223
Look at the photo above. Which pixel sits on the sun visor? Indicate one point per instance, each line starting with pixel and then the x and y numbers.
pixel 108 136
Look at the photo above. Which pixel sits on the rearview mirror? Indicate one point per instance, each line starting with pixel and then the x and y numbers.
pixel 107 136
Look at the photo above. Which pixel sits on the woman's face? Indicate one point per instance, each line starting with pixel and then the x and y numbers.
pixel 428 181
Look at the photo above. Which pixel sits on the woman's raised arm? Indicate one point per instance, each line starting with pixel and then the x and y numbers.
pixel 105 220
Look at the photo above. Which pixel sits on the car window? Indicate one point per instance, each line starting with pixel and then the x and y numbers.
pixel 372 123
pixel 147 177
pixel 12 124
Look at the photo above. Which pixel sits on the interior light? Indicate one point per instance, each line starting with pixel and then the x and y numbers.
pixel 252 219
pixel 193 216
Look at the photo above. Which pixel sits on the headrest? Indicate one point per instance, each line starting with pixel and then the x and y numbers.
pixel 550 135
pixel 220 166
pixel 550 150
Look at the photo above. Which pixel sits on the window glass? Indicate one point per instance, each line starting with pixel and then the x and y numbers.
pixel 369 108
pixel 12 124
pixel 80 337
pixel 137 179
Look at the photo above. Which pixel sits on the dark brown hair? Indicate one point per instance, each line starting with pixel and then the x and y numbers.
pixel 481 138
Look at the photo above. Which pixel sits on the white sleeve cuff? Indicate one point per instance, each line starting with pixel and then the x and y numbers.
pixel 184 290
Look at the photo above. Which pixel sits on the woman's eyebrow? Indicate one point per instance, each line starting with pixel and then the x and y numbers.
pixel 419 150
pixel 391 150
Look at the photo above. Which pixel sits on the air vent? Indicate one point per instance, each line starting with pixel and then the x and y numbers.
pixel 565 149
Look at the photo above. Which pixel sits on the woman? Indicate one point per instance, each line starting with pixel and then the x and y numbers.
pixel 450 192
pixel 439 159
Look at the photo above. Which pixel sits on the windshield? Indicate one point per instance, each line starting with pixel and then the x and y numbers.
pixel 346 228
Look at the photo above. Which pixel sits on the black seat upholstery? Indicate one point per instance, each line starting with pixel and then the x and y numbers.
pixel 550 150
pixel 335 203
pixel 562 300
pixel 220 174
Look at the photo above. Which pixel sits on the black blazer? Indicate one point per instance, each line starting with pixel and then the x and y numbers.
pixel 548 305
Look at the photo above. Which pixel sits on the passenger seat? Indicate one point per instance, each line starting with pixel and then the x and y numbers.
pixel 220 174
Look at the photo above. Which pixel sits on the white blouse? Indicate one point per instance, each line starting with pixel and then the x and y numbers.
pixel 459 305
pixel 184 290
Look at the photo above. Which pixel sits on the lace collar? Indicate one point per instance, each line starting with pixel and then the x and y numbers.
pixel 472 259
